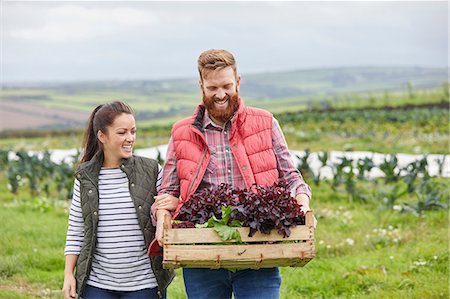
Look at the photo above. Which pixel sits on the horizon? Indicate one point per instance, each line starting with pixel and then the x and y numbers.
pixel 312 69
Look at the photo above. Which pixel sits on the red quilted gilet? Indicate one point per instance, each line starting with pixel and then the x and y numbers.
pixel 251 145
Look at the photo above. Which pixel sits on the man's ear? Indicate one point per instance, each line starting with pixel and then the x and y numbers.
pixel 238 82
pixel 200 82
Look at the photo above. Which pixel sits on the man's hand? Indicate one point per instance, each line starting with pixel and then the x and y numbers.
pixel 303 200
pixel 69 286
pixel 159 234
pixel 166 202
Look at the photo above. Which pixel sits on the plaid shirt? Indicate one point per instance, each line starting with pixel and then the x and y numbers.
pixel 222 167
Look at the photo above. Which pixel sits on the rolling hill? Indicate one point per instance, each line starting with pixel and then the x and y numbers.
pixel 50 105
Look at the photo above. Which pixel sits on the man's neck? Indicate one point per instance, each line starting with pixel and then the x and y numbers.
pixel 216 122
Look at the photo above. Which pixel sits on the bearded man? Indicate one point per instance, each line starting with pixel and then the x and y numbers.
pixel 225 142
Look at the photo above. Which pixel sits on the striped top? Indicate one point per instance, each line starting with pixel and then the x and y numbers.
pixel 120 261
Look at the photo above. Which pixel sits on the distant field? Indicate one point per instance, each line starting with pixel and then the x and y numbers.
pixel 24 115
pixel 413 121
pixel 67 105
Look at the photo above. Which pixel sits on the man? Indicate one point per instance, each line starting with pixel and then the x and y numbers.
pixel 226 142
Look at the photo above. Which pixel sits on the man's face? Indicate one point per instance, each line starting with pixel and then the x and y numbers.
pixel 220 94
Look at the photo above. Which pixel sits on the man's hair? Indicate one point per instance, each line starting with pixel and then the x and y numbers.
pixel 215 59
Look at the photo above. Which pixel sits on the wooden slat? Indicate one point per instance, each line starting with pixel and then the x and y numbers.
pixel 203 248
pixel 209 235
pixel 238 256
pixel 269 263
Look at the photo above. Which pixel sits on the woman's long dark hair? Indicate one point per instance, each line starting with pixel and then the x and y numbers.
pixel 101 118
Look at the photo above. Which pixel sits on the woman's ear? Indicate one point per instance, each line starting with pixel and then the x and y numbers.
pixel 101 136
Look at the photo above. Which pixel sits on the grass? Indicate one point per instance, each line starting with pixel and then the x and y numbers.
pixel 363 251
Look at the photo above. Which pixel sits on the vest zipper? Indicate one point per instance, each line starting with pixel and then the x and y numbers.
pixel 196 172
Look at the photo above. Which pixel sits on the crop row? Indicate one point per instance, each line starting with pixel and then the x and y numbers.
pixel 39 174
pixel 419 119
pixel 398 182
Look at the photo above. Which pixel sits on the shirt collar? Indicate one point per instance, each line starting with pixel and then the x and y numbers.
pixel 208 122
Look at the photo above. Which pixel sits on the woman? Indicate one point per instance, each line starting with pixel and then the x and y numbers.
pixel 110 228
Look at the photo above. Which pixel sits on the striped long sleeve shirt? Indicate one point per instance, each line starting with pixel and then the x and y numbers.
pixel 120 261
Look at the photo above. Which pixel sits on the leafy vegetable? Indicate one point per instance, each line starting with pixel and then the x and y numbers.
pixel 262 208
pixel 225 227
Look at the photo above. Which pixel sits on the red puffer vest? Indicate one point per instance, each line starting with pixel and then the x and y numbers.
pixel 251 145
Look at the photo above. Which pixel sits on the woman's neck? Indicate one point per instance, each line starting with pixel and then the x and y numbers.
pixel 109 163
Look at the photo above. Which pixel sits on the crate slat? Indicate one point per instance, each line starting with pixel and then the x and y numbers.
pixel 209 235
pixel 239 265
pixel 238 256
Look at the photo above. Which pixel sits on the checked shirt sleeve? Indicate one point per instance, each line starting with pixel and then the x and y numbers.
pixel 285 164
pixel 170 182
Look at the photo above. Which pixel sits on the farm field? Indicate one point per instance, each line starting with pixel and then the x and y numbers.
pixel 405 129
pixel 409 129
pixel 377 237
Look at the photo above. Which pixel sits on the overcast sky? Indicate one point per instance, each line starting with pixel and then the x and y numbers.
pixel 66 41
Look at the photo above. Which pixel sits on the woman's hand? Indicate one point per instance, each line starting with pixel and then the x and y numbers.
pixel 166 202
pixel 69 286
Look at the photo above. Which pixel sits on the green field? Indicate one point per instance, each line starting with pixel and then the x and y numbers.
pixel 164 101
pixel 364 250
pixel 375 238
pixel 403 127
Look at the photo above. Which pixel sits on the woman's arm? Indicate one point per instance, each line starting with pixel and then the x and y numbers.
pixel 69 287
pixel 74 242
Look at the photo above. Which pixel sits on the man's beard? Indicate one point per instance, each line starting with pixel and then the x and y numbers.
pixel 221 115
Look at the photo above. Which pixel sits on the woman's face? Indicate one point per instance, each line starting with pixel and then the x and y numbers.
pixel 119 139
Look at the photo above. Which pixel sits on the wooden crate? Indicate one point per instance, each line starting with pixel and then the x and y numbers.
pixel 203 248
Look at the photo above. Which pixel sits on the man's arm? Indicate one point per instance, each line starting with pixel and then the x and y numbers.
pixel 169 186
pixel 170 182
pixel 168 192
pixel 287 170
